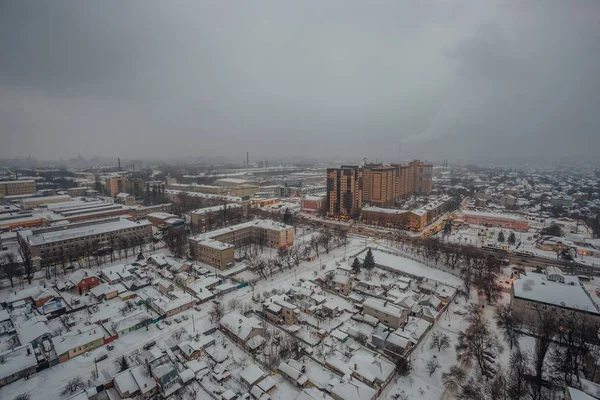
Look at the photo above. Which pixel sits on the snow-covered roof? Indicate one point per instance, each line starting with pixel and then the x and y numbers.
pixel 35 293
pixel 536 287
pixel 414 329
pixel 240 325
pixel 79 275
pixel 267 384
pixel 144 381
pixel 206 210
pixel 350 390
pixel 77 230
pixel 103 289
pixel 4 315
pixel 46 198
pixel 187 375
pixel 313 394
pixel 384 210
pixel 383 306
pixel 72 339
pixel 32 329
pixel 197 365
pixel 260 223
pixel 492 215
pixel 251 374
pixel 371 367
pixel 129 321
pixel 16 360
pixel 125 382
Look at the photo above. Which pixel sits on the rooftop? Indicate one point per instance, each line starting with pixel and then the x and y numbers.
pixel 46 198
pixel 214 209
pixel 492 215
pixel 260 223
pixel 536 287
pixel 16 360
pixel 72 232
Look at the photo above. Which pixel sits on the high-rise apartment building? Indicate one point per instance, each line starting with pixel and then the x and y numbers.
pixel 420 177
pixel 402 183
pixel 379 185
pixel 344 190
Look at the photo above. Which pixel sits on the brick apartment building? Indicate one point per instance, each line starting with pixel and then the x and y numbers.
pixel 216 248
pixel 17 188
pixel 344 190
pixel 53 244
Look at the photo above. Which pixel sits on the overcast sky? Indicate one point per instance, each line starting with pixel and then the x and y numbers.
pixel 462 80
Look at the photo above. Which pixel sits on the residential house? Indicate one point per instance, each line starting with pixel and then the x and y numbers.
pixel 165 286
pixel 240 328
pixel 279 311
pixel 83 280
pixel 192 349
pixel 77 342
pixel 17 363
pixel 130 323
pixel 353 389
pixel 292 374
pixel 251 375
pixel 34 331
pixel 342 282
pixel 385 311
pixel 37 295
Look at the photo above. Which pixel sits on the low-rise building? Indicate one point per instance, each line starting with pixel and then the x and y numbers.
pixel 52 244
pixel 17 188
pixel 493 219
pixel 385 311
pixel 209 217
pixel 34 202
pixel 17 363
pixel 534 294
pixel 240 328
pixel 216 248
pixel 83 280
pixel 76 342
pixel 279 311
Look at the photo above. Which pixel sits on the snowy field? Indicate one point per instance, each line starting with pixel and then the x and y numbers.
pixel 415 268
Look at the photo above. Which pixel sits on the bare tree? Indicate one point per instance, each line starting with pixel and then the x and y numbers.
pixel 216 312
pixel 508 324
pixel 23 396
pixel 477 343
pixel 518 373
pixel 27 259
pixel 432 366
pixel 439 340
pixel 544 332
pixel 74 385
pixel 9 267
pixel 234 304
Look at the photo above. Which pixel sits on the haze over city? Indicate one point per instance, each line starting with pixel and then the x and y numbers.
pixel 467 81
pixel 300 200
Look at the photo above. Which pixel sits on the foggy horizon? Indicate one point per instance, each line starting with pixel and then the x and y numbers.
pixel 340 80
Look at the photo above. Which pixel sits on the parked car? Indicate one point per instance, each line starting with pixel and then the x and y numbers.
pixel 149 345
pixel 197 308
pixel 167 322
pixel 185 317
pixel 159 326
pixel 177 319
pixel 110 346
pixel 102 355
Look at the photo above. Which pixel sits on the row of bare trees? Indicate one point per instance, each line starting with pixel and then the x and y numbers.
pixel 565 350
pixel 478 269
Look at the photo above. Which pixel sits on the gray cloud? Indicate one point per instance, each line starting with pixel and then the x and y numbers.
pixel 433 79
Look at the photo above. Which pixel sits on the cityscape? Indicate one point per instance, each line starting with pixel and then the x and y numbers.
pixel 263 201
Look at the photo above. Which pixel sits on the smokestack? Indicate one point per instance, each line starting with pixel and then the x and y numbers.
pixel 247 159
pixel 119 160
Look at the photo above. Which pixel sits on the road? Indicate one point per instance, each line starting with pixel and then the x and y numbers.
pixel 571 267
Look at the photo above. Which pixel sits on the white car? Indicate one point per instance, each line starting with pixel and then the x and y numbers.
pixel 159 326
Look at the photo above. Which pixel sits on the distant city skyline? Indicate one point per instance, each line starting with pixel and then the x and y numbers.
pixel 464 81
